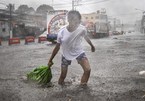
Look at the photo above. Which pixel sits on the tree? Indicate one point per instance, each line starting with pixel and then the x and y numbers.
pixel 43 9
pixel 25 9
pixel 31 10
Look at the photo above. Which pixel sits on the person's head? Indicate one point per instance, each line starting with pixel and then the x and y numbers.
pixel 73 17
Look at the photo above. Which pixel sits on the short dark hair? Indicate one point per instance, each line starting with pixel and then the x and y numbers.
pixel 76 13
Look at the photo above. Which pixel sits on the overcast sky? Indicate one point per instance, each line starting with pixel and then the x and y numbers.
pixel 120 9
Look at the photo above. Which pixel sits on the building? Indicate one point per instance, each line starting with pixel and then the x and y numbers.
pixel 29 25
pixel 21 24
pixel 4 23
pixel 91 17
pixel 96 23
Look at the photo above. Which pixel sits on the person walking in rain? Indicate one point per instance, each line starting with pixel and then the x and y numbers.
pixel 70 40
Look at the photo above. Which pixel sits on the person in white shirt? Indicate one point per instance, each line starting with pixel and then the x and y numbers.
pixel 70 40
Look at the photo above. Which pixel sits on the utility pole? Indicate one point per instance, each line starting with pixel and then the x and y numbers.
pixel 122 28
pixel 75 3
pixel 143 23
pixel 11 34
pixel 10 8
pixel 72 4
pixel 114 24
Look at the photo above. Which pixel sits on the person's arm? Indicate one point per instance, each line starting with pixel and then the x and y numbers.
pixel 90 43
pixel 55 51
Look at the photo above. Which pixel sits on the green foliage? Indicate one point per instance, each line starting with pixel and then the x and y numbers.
pixel 42 75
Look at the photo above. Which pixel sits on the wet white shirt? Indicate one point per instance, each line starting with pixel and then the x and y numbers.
pixel 71 42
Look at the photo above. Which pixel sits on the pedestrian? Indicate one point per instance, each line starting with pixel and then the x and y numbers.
pixel 70 40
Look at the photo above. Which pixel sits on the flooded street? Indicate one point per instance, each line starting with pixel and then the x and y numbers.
pixel 114 76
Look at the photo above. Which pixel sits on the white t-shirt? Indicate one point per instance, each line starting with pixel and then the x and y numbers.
pixel 71 42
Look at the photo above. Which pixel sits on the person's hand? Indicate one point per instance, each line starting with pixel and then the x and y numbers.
pixel 50 63
pixel 92 48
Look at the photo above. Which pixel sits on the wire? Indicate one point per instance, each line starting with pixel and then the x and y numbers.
pixel 3 4
pixel 94 2
pixel 86 2
pixel 83 3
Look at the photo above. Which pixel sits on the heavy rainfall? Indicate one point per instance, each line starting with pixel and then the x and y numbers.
pixel 28 35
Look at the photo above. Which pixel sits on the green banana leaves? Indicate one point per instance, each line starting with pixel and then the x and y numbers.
pixel 41 74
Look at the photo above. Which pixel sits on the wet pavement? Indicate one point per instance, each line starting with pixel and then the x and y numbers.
pixel 114 76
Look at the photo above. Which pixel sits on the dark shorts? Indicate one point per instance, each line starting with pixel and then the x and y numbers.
pixel 65 62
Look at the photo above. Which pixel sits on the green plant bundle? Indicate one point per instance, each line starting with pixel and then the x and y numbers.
pixel 41 75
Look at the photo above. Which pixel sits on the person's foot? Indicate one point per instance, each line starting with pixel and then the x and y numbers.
pixel 61 83
pixel 83 84
pixel 65 83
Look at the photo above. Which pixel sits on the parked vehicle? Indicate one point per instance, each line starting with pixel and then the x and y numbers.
pixel 100 27
pixel 55 20
pixel 52 37
pixel 116 33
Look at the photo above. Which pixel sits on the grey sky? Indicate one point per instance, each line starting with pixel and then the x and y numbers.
pixel 120 9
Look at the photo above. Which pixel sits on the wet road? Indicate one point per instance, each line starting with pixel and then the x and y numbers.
pixel 114 76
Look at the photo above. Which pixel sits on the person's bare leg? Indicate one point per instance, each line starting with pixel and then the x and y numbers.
pixel 62 75
pixel 86 67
